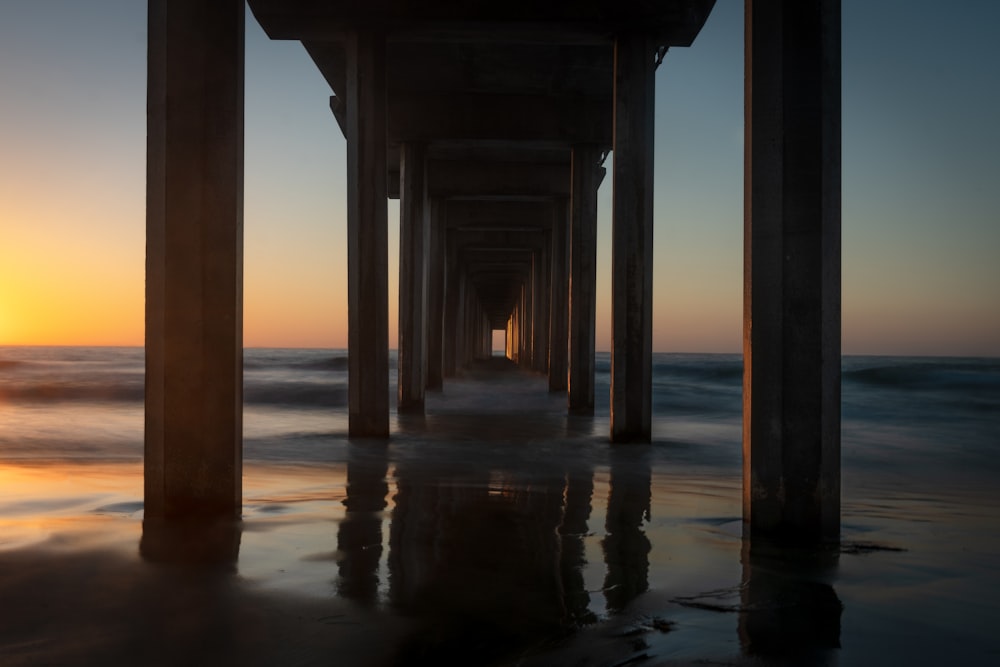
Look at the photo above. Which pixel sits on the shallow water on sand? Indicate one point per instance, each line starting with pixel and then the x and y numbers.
pixel 497 530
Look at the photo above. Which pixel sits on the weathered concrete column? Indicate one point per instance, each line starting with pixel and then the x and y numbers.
pixel 452 300
pixel 540 298
pixel 367 251
pixel 791 332
pixel 463 309
pixel 586 178
pixel 194 260
pixel 468 323
pixel 435 296
pixel 632 240
pixel 509 338
pixel 513 335
pixel 484 333
pixel 414 241
pixel 527 322
pixel 559 304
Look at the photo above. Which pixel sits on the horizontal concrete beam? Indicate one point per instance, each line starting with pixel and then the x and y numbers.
pixel 488 179
pixel 491 181
pixel 448 117
pixel 674 22
pixel 500 214
pixel 552 121
pixel 497 241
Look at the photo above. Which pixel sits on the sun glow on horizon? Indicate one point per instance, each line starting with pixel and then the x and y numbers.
pixel 68 296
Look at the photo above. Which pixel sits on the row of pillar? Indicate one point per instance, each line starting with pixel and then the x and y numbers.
pixel 792 261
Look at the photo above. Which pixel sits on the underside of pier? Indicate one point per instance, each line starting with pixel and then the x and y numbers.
pixel 490 122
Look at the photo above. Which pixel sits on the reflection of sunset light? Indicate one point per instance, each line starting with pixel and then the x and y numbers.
pixel 42 500
pixel 500 486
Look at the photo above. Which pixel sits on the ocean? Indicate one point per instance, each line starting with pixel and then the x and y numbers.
pixel 903 417
pixel 496 505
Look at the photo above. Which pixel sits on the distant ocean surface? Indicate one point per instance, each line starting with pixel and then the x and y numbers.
pixel 905 419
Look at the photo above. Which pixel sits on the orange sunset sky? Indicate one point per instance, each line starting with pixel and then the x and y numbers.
pixel 921 210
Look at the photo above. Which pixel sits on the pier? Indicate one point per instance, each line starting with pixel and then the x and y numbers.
pixel 490 124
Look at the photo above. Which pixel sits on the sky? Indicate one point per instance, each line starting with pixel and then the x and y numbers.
pixel 921 184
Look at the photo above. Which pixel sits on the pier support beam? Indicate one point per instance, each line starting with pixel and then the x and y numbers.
pixel 632 240
pixel 435 296
pixel 791 332
pixel 452 299
pixel 194 260
pixel 413 250
pixel 367 251
pixel 586 178
pixel 559 306
pixel 528 322
pixel 540 273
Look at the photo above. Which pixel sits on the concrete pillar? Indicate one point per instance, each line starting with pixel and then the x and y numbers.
pixel 791 332
pixel 632 240
pixel 586 178
pixel 513 337
pixel 540 272
pixel 468 317
pixel 528 322
pixel 194 260
pixel 452 298
pixel 559 305
pixel 484 333
pixel 367 251
pixel 461 344
pixel 435 296
pixel 509 337
pixel 414 241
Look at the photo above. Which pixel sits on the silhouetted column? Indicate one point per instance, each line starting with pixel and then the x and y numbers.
pixel 528 322
pixel 632 240
pixel 460 339
pixel 586 178
pixel 194 260
pixel 509 337
pixel 367 259
pixel 539 270
pixel 435 297
pixel 484 332
pixel 559 307
pixel 513 335
pixel 468 323
pixel 452 300
pixel 414 239
pixel 791 340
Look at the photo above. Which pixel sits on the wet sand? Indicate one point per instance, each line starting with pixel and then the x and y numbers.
pixel 496 530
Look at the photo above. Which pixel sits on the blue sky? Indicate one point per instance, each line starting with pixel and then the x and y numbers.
pixel 921 210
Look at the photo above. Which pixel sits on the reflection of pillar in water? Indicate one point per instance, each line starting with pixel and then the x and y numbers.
pixel 201 542
pixel 788 610
pixel 576 513
pixel 626 547
pixel 416 525
pixel 474 557
pixel 359 536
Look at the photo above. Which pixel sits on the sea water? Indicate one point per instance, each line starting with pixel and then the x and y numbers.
pixel 901 416
pixel 485 495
